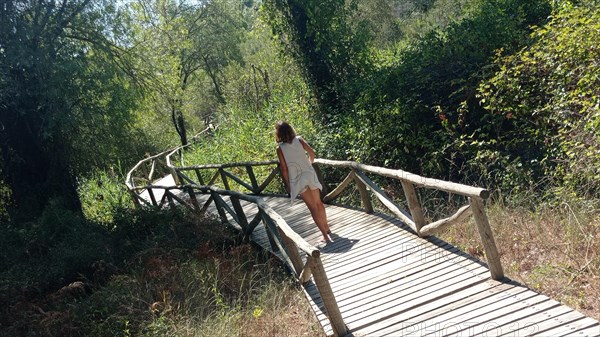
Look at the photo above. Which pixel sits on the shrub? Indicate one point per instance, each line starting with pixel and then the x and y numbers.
pixel 423 97
pixel 544 105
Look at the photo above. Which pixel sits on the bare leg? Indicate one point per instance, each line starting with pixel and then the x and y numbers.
pixel 312 199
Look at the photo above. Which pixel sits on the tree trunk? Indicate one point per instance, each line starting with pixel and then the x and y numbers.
pixel 214 78
pixel 36 171
pixel 179 123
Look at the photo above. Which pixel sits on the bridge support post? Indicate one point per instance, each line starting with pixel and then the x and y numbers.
pixel 292 251
pixel 237 206
pixel 218 200
pixel 487 238
pixel 193 200
pixel 364 194
pixel 414 205
pixel 333 311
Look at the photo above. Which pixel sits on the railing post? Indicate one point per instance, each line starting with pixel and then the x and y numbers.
pixel 292 251
pixel 169 198
pixel 152 197
pixel 414 205
pixel 364 195
pixel 224 178
pixel 173 171
pixel 272 242
pixel 252 177
pixel 199 176
pixel 325 190
pixel 487 238
pixel 217 200
pixel 193 198
pixel 243 221
pixel 333 311
pixel 250 228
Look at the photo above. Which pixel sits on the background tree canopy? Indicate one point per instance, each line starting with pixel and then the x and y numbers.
pixel 64 94
pixel 420 85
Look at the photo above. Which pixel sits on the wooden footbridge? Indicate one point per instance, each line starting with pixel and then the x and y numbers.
pixel 385 274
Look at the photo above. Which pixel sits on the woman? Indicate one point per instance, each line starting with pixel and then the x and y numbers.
pixel 298 174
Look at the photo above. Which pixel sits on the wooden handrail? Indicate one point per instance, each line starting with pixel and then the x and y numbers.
pixel 416 220
pixel 129 179
pixel 268 210
pixel 179 175
pixel 409 181
pixel 287 242
pixel 415 179
pixel 228 165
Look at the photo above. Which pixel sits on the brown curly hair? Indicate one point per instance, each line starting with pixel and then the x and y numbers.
pixel 284 132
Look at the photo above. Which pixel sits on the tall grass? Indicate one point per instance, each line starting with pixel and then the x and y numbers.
pixel 553 248
pixel 127 272
pixel 102 194
pixel 216 291
pixel 245 136
pixel 267 88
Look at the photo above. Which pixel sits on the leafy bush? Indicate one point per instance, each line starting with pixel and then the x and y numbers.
pixel 211 291
pixel 49 252
pixel 423 98
pixel 267 89
pixel 544 108
pixel 329 47
pixel 102 194
pixel 155 273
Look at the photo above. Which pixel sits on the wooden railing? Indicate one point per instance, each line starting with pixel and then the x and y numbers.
pixel 192 181
pixel 142 177
pixel 223 175
pixel 283 240
pixel 416 219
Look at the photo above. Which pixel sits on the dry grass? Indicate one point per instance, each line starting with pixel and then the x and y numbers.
pixel 234 292
pixel 554 249
pixel 213 291
pixel 254 298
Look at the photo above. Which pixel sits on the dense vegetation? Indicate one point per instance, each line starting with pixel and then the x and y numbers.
pixel 498 93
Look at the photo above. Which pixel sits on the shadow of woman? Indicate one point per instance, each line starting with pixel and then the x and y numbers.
pixel 339 245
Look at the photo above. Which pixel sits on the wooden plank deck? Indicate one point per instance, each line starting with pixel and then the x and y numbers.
pixel 158 193
pixel 389 282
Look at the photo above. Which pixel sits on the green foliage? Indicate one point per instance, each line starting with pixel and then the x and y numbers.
pixel 172 293
pixel 544 102
pixel 102 195
pixel 48 252
pixel 67 95
pixel 62 247
pixel 244 136
pixel 329 48
pixel 265 76
pixel 397 21
pixel 181 50
pixel 267 89
pixel 422 98
pixel 146 273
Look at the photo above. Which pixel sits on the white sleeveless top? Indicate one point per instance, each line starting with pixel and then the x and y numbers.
pixel 300 171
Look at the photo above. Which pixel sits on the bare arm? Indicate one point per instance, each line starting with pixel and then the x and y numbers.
pixel 284 169
pixel 308 149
